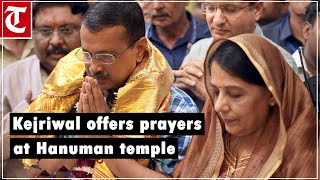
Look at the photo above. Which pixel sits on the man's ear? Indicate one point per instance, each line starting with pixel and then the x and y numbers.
pixel 141 49
pixel 306 31
pixel 257 10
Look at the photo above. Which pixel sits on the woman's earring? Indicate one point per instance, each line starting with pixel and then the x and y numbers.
pixel 272 103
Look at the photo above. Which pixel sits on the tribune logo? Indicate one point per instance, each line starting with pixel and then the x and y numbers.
pixel 15 11
pixel 17 20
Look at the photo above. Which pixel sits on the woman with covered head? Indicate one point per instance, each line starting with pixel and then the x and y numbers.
pixel 268 122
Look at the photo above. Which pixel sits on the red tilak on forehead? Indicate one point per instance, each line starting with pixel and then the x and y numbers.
pixel 55 25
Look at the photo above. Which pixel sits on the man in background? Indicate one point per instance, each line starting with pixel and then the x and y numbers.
pixel 124 72
pixel 308 54
pixel 56 32
pixel 233 19
pixel 272 11
pixel 173 30
pixel 287 31
pixel 309 51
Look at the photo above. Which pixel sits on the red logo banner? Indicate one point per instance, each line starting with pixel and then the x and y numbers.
pixel 16 19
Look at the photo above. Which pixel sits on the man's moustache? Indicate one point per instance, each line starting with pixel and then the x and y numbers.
pixel 57 51
pixel 160 14
pixel 100 75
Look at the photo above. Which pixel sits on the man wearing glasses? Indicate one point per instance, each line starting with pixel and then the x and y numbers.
pixel 225 19
pixel 117 69
pixel 55 33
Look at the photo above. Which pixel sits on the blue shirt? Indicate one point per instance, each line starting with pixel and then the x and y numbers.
pixel 180 102
pixel 197 30
pixel 280 33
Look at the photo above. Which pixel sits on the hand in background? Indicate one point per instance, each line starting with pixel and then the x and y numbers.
pixel 190 76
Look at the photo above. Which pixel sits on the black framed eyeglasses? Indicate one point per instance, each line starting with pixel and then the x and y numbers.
pixel 210 9
pixel 65 31
pixel 104 58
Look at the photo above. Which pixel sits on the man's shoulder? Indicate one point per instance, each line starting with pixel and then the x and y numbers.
pixel 272 30
pixel 271 26
pixel 20 73
pixel 198 50
pixel 181 102
pixel 205 41
pixel 202 45
pixel 287 56
pixel 22 65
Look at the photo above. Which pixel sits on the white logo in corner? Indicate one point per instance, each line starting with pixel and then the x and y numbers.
pixel 15 11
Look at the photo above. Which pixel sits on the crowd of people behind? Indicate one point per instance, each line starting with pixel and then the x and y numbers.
pixel 250 67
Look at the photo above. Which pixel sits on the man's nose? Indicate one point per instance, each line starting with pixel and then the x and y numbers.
pixel 95 66
pixel 219 18
pixel 157 5
pixel 56 39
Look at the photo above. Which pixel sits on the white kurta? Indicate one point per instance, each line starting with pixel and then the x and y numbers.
pixel 18 78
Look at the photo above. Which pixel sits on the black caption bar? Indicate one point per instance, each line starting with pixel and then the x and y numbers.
pixel 106 123
pixel 95 148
